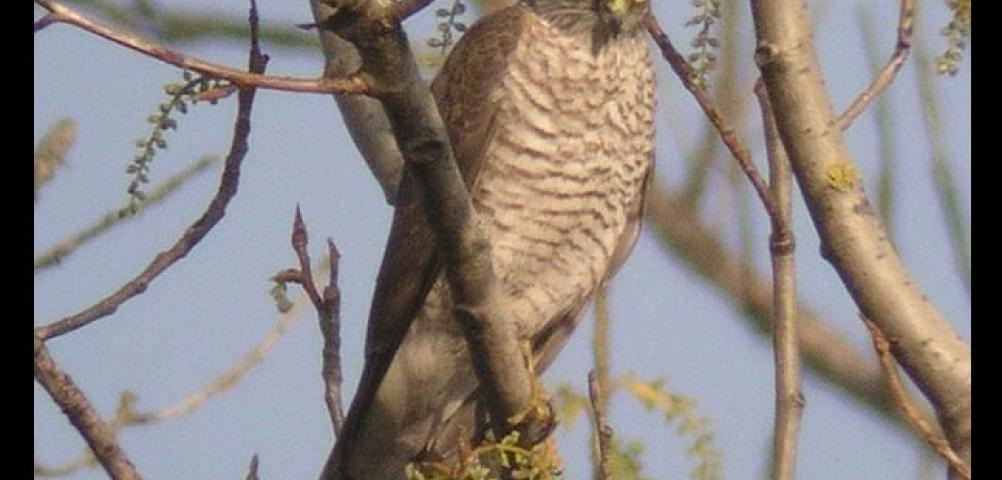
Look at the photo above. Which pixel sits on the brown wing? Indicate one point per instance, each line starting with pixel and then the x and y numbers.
pixel 410 263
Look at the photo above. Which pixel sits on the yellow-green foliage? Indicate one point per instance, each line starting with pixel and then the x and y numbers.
pixel 626 457
pixel 540 462
pixel 957 33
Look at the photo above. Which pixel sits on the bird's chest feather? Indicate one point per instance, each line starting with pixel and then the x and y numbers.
pixel 566 165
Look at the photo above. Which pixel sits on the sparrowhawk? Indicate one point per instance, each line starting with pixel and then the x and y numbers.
pixel 549 106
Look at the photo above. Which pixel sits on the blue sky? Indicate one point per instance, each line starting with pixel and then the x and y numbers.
pixel 203 314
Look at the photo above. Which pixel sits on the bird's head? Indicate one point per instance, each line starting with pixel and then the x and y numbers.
pixel 604 20
pixel 612 15
pixel 620 15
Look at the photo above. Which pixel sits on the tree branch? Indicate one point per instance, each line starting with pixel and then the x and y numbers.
pixel 178 25
pixel 404 9
pixel 737 147
pixel 906 20
pixel 602 429
pixel 82 414
pixel 328 307
pixel 789 398
pixel 240 78
pixel 852 239
pixel 100 436
pixel 363 116
pixel 883 347
pixel 194 234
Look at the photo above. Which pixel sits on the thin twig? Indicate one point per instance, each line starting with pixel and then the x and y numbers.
pixel 602 429
pixel 600 374
pixel 85 460
pixel 600 342
pixel 789 398
pixel 64 248
pixel 906 20
pixel 331 330
pixel 252 470
pixel 196 232
pixel 45 21
pixel 938 443
pixel 328 307
pixel 737 147
pixel 300 240
pixel 178 25
pixel 82 414
pixel 732 102
pixel 242 79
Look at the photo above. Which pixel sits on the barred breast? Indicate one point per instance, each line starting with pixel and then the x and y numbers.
pixel 566 169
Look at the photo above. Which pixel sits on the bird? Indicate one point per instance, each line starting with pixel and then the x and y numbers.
pixel 549 107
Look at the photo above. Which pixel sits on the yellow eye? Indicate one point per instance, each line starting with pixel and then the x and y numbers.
pixel 619 7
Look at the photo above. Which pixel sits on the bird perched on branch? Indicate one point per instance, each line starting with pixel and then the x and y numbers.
pixel 549 106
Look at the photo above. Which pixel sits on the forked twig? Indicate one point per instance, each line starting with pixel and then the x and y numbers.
pixel 328 307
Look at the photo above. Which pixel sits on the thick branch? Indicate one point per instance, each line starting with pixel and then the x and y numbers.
pixel 363 116
pixel 852 238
